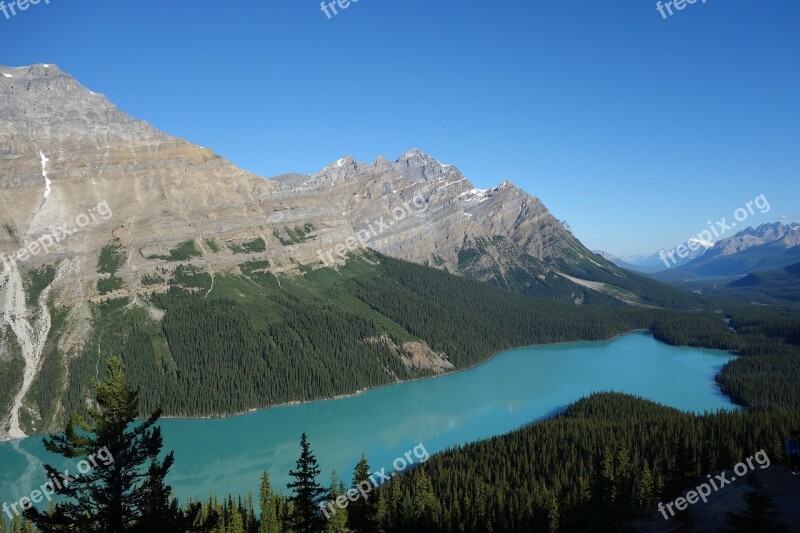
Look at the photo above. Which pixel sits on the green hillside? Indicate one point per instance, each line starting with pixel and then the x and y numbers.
pixel 249 340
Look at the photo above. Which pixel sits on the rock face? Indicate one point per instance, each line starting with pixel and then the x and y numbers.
pixel 162 191
pixel 423 211
pixel 78 175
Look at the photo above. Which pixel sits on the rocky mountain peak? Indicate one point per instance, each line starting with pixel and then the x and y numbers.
pixel 381 163
pixel 42 102
pixel 419 166
pixel 774 233
pixel 340 170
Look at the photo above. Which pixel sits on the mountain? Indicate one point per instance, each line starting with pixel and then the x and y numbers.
pixel 644 268
pixel 779 286
pixel 118 238
pixel 767 247
pixel 659 261
pixel 770 285
pixel 163 192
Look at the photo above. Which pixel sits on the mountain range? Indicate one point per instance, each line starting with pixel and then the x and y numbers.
pixel 766 247
pixel 654 262
pixel 103 217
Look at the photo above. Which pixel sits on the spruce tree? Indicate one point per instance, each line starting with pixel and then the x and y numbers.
pixel 646 487
pixel 307 492
pixel 388 503
pixel 285 513
pixel 250 524
pixel 120 493
pixel 362 513
pixel 337 522
pixel 269 510
pixel 236 523
pixel 425 503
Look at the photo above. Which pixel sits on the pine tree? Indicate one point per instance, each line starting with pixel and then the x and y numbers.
pixel 622 473
pixel 424 501
pixel 285 514
pixel 362 513
pixel 117 495
pixel 553 512
pixel 268 505
pixel 161 512
pixel 250 523
pixel 386 504
pixel 337 521
pixel 236 524
pixel 307 492
pixel 214 509
pixel 608 484
pixel 646 490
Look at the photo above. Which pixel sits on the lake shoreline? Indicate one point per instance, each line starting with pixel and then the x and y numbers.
pixel 367 389
pixel 520 388
pixel 454 372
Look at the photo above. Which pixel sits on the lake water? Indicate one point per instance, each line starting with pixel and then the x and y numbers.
pixel 227 456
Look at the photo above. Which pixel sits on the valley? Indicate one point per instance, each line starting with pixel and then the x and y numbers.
pixel 370 307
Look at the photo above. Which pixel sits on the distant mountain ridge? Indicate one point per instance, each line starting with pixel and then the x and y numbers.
pixel 644 267
pixel 660 260
pixel 766 247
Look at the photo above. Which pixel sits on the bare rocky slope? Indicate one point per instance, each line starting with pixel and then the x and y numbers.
pixel 78 176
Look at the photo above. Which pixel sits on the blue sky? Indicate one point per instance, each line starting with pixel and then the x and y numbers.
pixel 635 129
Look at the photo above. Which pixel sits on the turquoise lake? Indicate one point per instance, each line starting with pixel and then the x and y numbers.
pixel 515 388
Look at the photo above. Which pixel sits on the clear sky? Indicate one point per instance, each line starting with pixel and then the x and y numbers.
pixel 634 128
